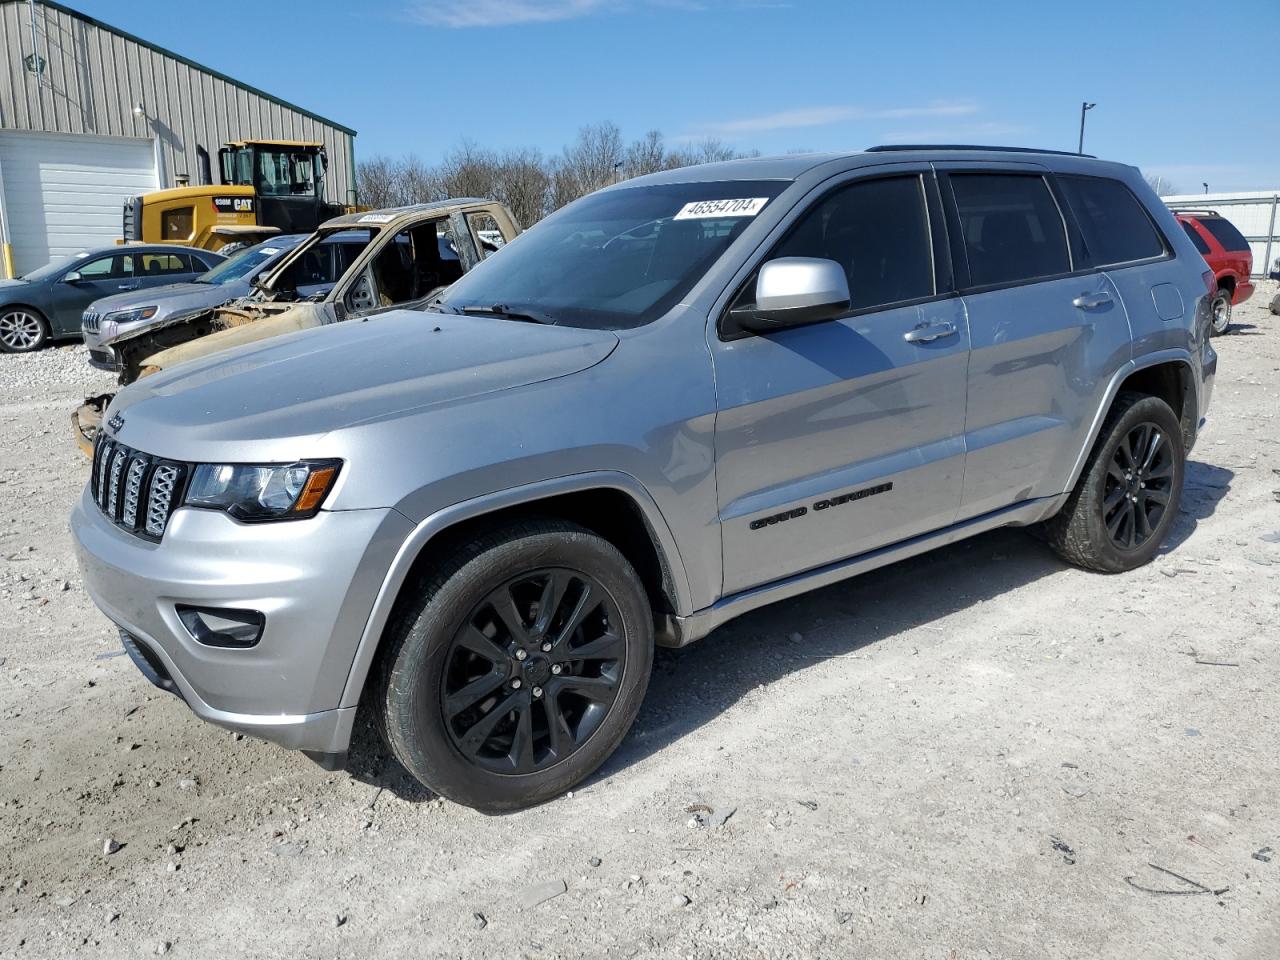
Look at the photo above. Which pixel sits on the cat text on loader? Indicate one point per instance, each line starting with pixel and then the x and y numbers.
pixel 353 267
pixel 267 187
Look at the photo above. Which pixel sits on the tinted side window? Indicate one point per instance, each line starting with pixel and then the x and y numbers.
pixel 1115 226
pixel 1225 233
pixel 1011 227
pixel 108 268
pixel 878 230
pixel 1194 234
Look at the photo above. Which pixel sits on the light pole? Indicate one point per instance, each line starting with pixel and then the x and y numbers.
pixel 1205 185
pixel 1085 107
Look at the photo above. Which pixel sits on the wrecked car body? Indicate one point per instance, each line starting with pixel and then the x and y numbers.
pixel 354 266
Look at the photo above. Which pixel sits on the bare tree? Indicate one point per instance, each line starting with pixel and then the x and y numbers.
pixel 709 150
pixel 525 185
pixel 646 155
pixel 592 161
pixel 375 181
pixel 531 184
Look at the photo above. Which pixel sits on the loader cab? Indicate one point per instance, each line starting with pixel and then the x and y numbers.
pixel 287 177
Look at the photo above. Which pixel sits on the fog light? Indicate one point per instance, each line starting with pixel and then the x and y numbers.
pixel 222 627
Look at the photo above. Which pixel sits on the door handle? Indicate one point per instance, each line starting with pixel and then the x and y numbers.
pixel 127 286
pixel 1091 301
pixel 929 332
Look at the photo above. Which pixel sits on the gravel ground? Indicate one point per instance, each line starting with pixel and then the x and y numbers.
pixel 977 753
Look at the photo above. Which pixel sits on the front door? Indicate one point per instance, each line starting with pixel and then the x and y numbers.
pixel 840 437
pixel 92 279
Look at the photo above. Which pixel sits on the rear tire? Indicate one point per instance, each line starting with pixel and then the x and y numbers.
pixel 22 330
pixel 516 665
pixel 1128 495
pixel 1220 312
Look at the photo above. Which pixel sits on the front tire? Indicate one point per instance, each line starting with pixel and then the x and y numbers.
pixel 1128 495
pixel 516 666
pixel 22 330
pixel 1220 312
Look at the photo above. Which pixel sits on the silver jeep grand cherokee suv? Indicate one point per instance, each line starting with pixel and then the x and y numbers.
pixel 671 402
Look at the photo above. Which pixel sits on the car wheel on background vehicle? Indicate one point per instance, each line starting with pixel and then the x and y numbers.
pixel 516 666
pixel 1127 497
pixel 22 330
pixel 1221 307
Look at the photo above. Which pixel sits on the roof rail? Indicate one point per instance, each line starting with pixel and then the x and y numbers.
pixel 893 147
pixel 1195 211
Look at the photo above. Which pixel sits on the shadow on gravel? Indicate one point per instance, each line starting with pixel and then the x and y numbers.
pixel 1204 487
pixel 691 687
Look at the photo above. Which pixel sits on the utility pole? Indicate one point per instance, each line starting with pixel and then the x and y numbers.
pixel 1085 107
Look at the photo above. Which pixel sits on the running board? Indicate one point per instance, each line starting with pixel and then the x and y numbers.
pixel 681 631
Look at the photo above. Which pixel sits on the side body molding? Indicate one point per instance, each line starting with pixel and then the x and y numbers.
pixel 470 509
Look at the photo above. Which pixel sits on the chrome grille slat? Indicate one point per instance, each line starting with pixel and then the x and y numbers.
pixel 132 491
pixel 115 476
pixel 104 458
pixel 89 320
pixel 160 497
pixel 136 491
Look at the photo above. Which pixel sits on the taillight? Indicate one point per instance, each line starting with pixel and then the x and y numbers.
pixel 1210 285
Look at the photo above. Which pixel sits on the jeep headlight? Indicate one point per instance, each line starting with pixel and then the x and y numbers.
pixel 130 316
pixel 271 491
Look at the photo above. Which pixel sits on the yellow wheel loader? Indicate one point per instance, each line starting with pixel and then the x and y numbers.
pixel 267 187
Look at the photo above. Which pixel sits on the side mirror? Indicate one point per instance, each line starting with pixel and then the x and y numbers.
pixel 794 291
pixel 72 277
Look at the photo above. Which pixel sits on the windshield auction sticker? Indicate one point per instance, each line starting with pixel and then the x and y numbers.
pixel 714 209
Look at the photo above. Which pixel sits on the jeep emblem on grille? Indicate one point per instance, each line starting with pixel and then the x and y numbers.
pixel 115 423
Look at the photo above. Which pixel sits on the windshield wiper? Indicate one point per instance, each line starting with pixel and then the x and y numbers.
pixel 506 313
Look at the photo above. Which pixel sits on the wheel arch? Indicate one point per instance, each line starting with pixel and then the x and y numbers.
pixel 612 504
pixel 1167 374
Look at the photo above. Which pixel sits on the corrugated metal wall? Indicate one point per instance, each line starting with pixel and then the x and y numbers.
pixel 93 78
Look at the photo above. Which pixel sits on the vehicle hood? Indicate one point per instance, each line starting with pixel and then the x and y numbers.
pixel 176 297
pixel 12 288
pixel 277 399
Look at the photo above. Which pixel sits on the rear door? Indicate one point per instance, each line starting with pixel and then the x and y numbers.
pixel 1121 239
pixel 840 437
pixel 161 269
pixel 1045 328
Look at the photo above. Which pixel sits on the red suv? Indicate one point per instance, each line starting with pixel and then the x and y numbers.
pixel 1228 255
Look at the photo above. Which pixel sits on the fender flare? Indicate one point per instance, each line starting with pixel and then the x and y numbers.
pixel 443 519
pixel 1123 373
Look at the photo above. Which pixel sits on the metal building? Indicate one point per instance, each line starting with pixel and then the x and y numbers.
pixel 91 115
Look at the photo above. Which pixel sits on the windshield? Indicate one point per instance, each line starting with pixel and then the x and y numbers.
pixel 619 258
pixel 49 269
pixel 247 261
pixel 318 265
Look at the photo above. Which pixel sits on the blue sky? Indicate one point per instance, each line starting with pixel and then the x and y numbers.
pixel 1180 92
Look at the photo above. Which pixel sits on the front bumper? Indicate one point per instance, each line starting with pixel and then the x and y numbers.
pixel 314 580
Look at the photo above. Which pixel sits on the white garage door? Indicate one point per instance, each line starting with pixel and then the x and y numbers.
pixel 65 192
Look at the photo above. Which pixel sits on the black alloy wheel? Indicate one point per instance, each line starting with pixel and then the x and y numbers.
pixel 515 663
pixel 1138 486
pixel 533 671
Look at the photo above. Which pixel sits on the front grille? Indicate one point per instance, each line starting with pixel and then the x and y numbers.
pixel 89 321
pixel 134 490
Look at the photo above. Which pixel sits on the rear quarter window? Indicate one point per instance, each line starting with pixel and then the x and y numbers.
pixel 1115 225
pixel 1225 233
pixel 1194 235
